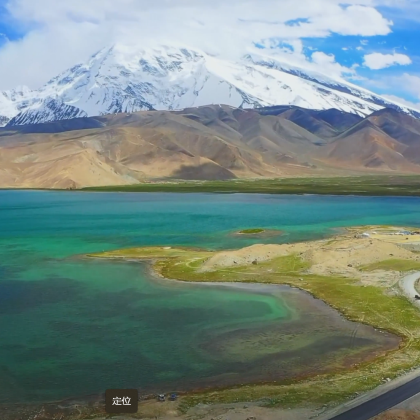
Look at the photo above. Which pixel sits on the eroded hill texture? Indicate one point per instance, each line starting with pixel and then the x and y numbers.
pixel 209 142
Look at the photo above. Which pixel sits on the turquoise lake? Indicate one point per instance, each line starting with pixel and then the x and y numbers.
pixel 72 327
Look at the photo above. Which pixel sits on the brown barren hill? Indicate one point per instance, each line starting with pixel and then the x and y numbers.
pixel 214 142
pixel 366 146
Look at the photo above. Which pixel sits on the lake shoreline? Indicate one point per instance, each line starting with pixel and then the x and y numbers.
pixel 224 264
pixel 47 249
pixel 358 185
pixel 384 185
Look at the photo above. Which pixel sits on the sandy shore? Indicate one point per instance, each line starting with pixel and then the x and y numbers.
pixel 341 255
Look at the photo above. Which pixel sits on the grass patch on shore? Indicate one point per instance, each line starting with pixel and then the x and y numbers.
pixel 392 264
pixel 368 304
pixel 382 185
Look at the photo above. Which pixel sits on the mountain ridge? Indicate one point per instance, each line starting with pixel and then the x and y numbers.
pixel 128 79
pixel 208 142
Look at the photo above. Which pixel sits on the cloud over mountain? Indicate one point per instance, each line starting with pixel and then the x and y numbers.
pixel 126 78
pixel 57 33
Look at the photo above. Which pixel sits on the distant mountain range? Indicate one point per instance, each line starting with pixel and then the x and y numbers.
pixel 127 79
pixel 208 142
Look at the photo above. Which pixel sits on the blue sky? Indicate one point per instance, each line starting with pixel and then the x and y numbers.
pixel 350 51
pixel 372 43
pixel 8 29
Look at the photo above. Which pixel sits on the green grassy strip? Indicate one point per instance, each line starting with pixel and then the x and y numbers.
pixel 369 305
pixel 392 264
pixel 357 185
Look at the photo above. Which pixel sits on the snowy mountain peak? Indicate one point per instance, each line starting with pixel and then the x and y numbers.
pixel 125 78
pixel 19 91
pixel 48 110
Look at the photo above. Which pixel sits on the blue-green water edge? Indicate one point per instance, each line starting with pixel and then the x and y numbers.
pixel 71 326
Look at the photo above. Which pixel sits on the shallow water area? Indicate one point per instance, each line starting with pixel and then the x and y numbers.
pixel 72 326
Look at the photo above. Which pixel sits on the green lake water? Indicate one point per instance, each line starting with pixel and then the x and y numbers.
pixel 72 327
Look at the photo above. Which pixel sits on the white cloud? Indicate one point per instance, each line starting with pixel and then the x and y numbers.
pixel 376 61
pixel 402 10
pixel 61 33
pixel 407 85
pixel 402 101
pixel 410 83
pixel 329 65
pixel 292 53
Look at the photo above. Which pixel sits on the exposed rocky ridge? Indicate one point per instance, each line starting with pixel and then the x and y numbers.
pixel 125 78
pixel 209 142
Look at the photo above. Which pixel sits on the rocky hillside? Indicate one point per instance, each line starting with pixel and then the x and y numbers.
pixel 209 142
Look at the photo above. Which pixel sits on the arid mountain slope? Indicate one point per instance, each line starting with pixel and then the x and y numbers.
pixel 210 142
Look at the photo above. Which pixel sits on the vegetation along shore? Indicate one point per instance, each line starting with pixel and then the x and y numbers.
pixel 357 272
pixel 391 185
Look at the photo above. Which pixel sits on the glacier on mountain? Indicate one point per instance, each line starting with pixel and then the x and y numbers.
pixel 126 79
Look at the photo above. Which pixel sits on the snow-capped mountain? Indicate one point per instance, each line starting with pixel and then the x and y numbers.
pixel 127 79
pixel 45 110
pixel 12 102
